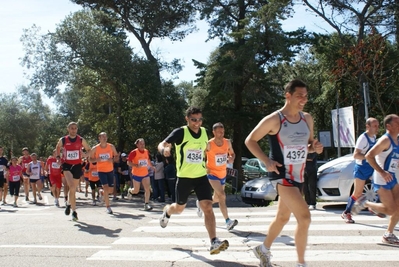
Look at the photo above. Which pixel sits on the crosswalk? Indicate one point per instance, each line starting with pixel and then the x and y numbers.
pixel 184 240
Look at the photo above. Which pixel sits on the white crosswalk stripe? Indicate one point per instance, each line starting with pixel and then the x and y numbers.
pixel 151 243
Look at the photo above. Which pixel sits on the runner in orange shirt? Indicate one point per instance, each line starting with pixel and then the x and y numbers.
pixel 139 160
pixel 219 152
pixel 105 155
pixel 94 181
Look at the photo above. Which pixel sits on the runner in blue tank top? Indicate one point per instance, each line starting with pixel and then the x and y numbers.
pixel 362 171
pixel 290 133
pixel 384 158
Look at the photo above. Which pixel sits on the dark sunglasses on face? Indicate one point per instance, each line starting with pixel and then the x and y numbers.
pixel 195 120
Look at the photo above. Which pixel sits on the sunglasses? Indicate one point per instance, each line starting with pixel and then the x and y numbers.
pixel 195 120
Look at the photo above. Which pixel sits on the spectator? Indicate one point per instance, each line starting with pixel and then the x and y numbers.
pixel 310 184
pixel 170 176
pixel 159 180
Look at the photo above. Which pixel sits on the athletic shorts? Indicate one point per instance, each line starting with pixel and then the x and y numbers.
pixel 214 178
pixel 363 172
pixel 34 180
pixel 56 180
pixel 139 178
pixel 76 169
pixel 25 175
pixel 388 186
pixel 289 183
pixel 200 185
pixel 2 181
pixel 106 178
pixel 93 185
pixel 124 179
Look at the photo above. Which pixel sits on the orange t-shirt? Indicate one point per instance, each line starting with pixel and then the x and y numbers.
pixel 93 173
pixel 142 159
pixel 104 153
pixel 216 157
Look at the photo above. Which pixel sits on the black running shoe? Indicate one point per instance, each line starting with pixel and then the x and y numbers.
pixel 74 216
pixel 67 209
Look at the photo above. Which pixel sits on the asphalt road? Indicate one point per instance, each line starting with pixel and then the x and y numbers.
pixel 41 235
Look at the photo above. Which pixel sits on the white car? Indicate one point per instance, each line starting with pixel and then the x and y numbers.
pixel 335 180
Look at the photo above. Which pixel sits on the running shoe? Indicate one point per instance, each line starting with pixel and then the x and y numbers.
pixel 218 245
pixel 231 224
pixel 67 209
pixel 15 205
pixel 312 207
pixel 39 196
pixel 27 199
pixel 34 201
pixel 264 257
pixel 301 265
pixel 93 203
pixel 86 194
pixel 199 211
pixel 390 239
pixel 147 207
pixel 381 215
pixel 359 205
pixel 74 216
pixel 4 202
pixel 109 211
pixel 163 220
pixel 347 217
pixel 101 196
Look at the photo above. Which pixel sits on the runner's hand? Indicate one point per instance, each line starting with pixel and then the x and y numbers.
pixel 272 165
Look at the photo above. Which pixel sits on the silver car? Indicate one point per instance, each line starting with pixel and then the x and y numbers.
pixel 259 192
pixel 335 180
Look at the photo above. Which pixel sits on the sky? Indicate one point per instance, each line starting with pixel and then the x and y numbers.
pixel 22 14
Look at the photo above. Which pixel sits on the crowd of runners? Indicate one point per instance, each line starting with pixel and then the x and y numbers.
pixel 199 164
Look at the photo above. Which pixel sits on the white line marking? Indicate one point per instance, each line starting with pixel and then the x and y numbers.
pixel 54 246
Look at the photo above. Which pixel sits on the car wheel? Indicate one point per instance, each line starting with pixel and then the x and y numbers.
pixel 263 204
pixel 368 191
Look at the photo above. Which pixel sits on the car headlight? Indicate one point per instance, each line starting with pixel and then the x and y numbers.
pixel 264 187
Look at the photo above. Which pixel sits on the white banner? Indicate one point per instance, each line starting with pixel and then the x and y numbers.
pixel 346 127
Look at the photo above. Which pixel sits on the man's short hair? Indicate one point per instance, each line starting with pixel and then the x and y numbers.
pixel 217 125
pixel 193 110
pixel 292 85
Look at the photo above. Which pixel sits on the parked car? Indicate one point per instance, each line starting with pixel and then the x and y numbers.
pixel 259 192
pixel 335 180
pixel 254 168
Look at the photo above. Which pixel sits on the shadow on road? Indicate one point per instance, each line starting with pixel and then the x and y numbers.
pixel 97 230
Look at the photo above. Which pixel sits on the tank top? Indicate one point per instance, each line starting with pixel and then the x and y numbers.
pixel 217 158
pixel 54 167
pixel 104 153
pixel 15 173
pixel 290 148
pixel 25 162
pixel 35 170
pixel 370 144
pixel 72 153
pixel 388 160
pixel 142 159
pixel 93 173
pixel 190 154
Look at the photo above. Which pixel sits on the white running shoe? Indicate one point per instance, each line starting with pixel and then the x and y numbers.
pixel 264 257
pixel 231 224
pixel 359 205
pixel 163 220
pixel 218 245
pixel 147 207
pixel 199 211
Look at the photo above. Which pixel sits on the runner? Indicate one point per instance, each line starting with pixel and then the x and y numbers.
pixel 94 181
pixel 362 171
pixel 24 161
pixel 290 135
pixel 190 142
pixel 3 179
pixel 139 160
pixel 219 152
pixel 53 167
pixel 72 154
pixel 384 158
pixel 14 179
pixel 105 155
pixel 34 171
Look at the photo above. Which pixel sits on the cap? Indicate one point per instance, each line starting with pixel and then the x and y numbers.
pixel 25 148
pixel 123 155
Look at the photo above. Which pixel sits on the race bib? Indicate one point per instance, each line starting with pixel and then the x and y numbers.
pixel 393 165
pixel 26 165
pixel 125 172
pixel 295 154
pixel 55 165
pixel 105 156
pixel 72 155
pixel 15 178
pixel 221 159
pixel 143 162
pixel 194 156
pixel 95 174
